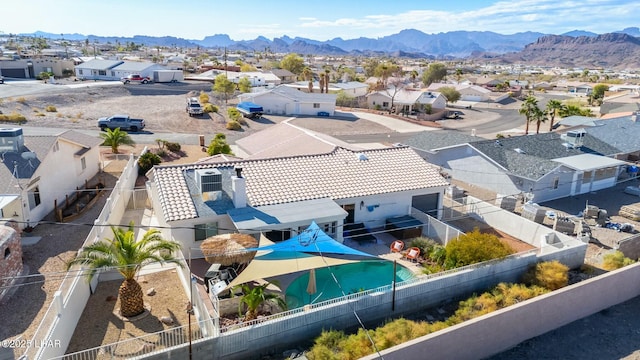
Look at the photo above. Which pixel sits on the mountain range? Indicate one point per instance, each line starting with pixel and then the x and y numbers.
pixel 583 48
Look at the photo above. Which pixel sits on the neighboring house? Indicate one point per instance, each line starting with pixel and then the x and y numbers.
pixel 621 133
pixel 143 68
pixel 283 100
pixel 16 68
pixel 281 196
pixel 32 174
pixel 485 81
pixel 405 100
pixel 609 107
pixel 542 166
pixel 467 92
pixel 315 87
pixel 97 69
pixel 286 139
pixel 285 76
pixel 352 88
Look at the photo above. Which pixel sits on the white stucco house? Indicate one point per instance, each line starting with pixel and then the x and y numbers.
pixel 280 197
pixel 34 176
pixel 99 69
pixel 405 100
pixel 352 88
pixel 283 100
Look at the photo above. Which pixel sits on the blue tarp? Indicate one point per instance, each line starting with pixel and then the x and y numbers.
pixel 249 107
pixel 312 240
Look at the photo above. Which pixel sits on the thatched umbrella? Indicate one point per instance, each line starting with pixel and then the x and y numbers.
pixel 229 249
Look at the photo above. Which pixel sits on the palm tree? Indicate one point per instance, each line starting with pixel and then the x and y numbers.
pixel 528 109
pixel 553 108
pixel 115 138
pixel 256 296
pixel 539 117
pixel 128 256
pixel 326 80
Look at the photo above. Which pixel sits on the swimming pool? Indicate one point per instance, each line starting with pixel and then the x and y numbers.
pixel 353 278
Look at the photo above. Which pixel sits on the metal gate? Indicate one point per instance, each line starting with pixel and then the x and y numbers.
pixel 138 199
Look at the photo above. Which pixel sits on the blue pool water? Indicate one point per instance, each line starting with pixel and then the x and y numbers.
pixel 353 278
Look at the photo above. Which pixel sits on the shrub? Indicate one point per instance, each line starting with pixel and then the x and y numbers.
pixel 233 125
pixel 424 244
pixel 22 100
pixel 474 247
pixel 40 114
pixel 50 108
pixel 210 108
pixel 204 98
pixel 172 146
pixel 219 145
pixel 551 275
pixel 234 114
pixel 146 161
pixel 13 117
pixel 615 260
pixel 242 121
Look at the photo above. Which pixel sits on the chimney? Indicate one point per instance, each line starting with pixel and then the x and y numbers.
pixel 239 188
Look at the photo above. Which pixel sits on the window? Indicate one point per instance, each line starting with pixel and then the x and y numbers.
pixel 555 182
pixel 83 163
pixel 7 252
pixel 203 231
pixel 80 71
pixel 330 228
pixel 316 105
pixel 385 104
pixel 34 197
pixel 102 72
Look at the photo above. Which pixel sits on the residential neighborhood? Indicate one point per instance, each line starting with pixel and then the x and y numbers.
pixel 336 204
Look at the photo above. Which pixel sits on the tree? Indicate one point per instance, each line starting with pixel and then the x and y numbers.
pixel 344 99
pixel 553 108
pixel 598 92
pixel 244 85
pixel 115 138
pixel 219 145
pixel 256 296
pixel 528 109
pixel 458 74
pixel 293 63
pixel 474 247
pixel 435 73
pixel 450 93
pixel 127 256
pixel 222 85
pixel 146 161
pixel 326 80
pixel 539 117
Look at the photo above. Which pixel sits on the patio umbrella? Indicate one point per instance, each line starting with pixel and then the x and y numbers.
pixel 311 287
pixel 228 249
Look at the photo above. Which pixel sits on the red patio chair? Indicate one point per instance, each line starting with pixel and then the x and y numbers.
pixel 412 254
pixel 397 246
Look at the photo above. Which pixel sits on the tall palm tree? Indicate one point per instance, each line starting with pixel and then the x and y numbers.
pixel 528 109
pixel 256 296
pixel 326 80
pixel 128 256
pixel 115 138
pixel 553 108
pixel 539 117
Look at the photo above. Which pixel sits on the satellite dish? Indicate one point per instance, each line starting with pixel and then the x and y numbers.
pixel 28 155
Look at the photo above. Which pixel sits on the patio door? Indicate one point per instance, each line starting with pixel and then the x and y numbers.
pixel 351 213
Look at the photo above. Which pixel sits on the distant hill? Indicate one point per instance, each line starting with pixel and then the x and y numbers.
pixel 614 50
pixel 574 48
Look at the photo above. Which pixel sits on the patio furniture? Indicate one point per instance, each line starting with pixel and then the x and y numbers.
pixel 412 254
pixel 404 227
pixel 358 232
pixel 397 246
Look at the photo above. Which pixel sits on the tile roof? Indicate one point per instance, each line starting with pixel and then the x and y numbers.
pixel 339 174
pixel 536 152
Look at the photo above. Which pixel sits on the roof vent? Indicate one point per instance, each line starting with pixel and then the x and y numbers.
pixel 208 180
pixel 519 151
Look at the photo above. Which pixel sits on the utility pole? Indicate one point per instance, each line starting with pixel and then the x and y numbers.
pixel 225 73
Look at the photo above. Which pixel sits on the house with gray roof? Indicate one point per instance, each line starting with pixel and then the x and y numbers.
pixel 32 174
pixel 405 100
pixel 282 196
pixel 620 133
pixel 542 166
pixel 283 100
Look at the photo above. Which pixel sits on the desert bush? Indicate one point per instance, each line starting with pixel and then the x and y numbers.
pixel 40 114
pixel 233 125
pixel 242 121
pixel 551 275
pixel 210 108
pixel 13 117
pixel 615 260
pixel 21 100
pixel 50 108
pixel 146 161
pixel 234 114
pixel 172 146
pixel 219 145
pixel 204 98
pixel 474 247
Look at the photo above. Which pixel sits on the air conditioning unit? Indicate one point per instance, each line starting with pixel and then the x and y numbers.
pixel 574 138
pixel 208 180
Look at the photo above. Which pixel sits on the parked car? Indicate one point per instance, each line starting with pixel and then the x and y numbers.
pixel 136 78
pixel 193 107
pixel 124 122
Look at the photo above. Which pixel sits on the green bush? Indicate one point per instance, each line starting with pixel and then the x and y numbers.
pixel 204 98
pixel 615 260
pixel 13 117
pixel 219 145
pixel 233 125
pixel 551 275
pixel 50 108
pixel 474 247
pixel 146 161
pixel 210 108
pixel 172 146
pixel 234 114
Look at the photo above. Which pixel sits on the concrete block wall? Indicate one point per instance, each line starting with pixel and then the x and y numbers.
pixel 10 257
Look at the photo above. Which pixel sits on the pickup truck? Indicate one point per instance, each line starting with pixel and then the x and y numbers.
pixel 136 78
pixel 124 122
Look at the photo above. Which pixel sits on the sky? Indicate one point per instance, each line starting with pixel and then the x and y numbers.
pixel 317 20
